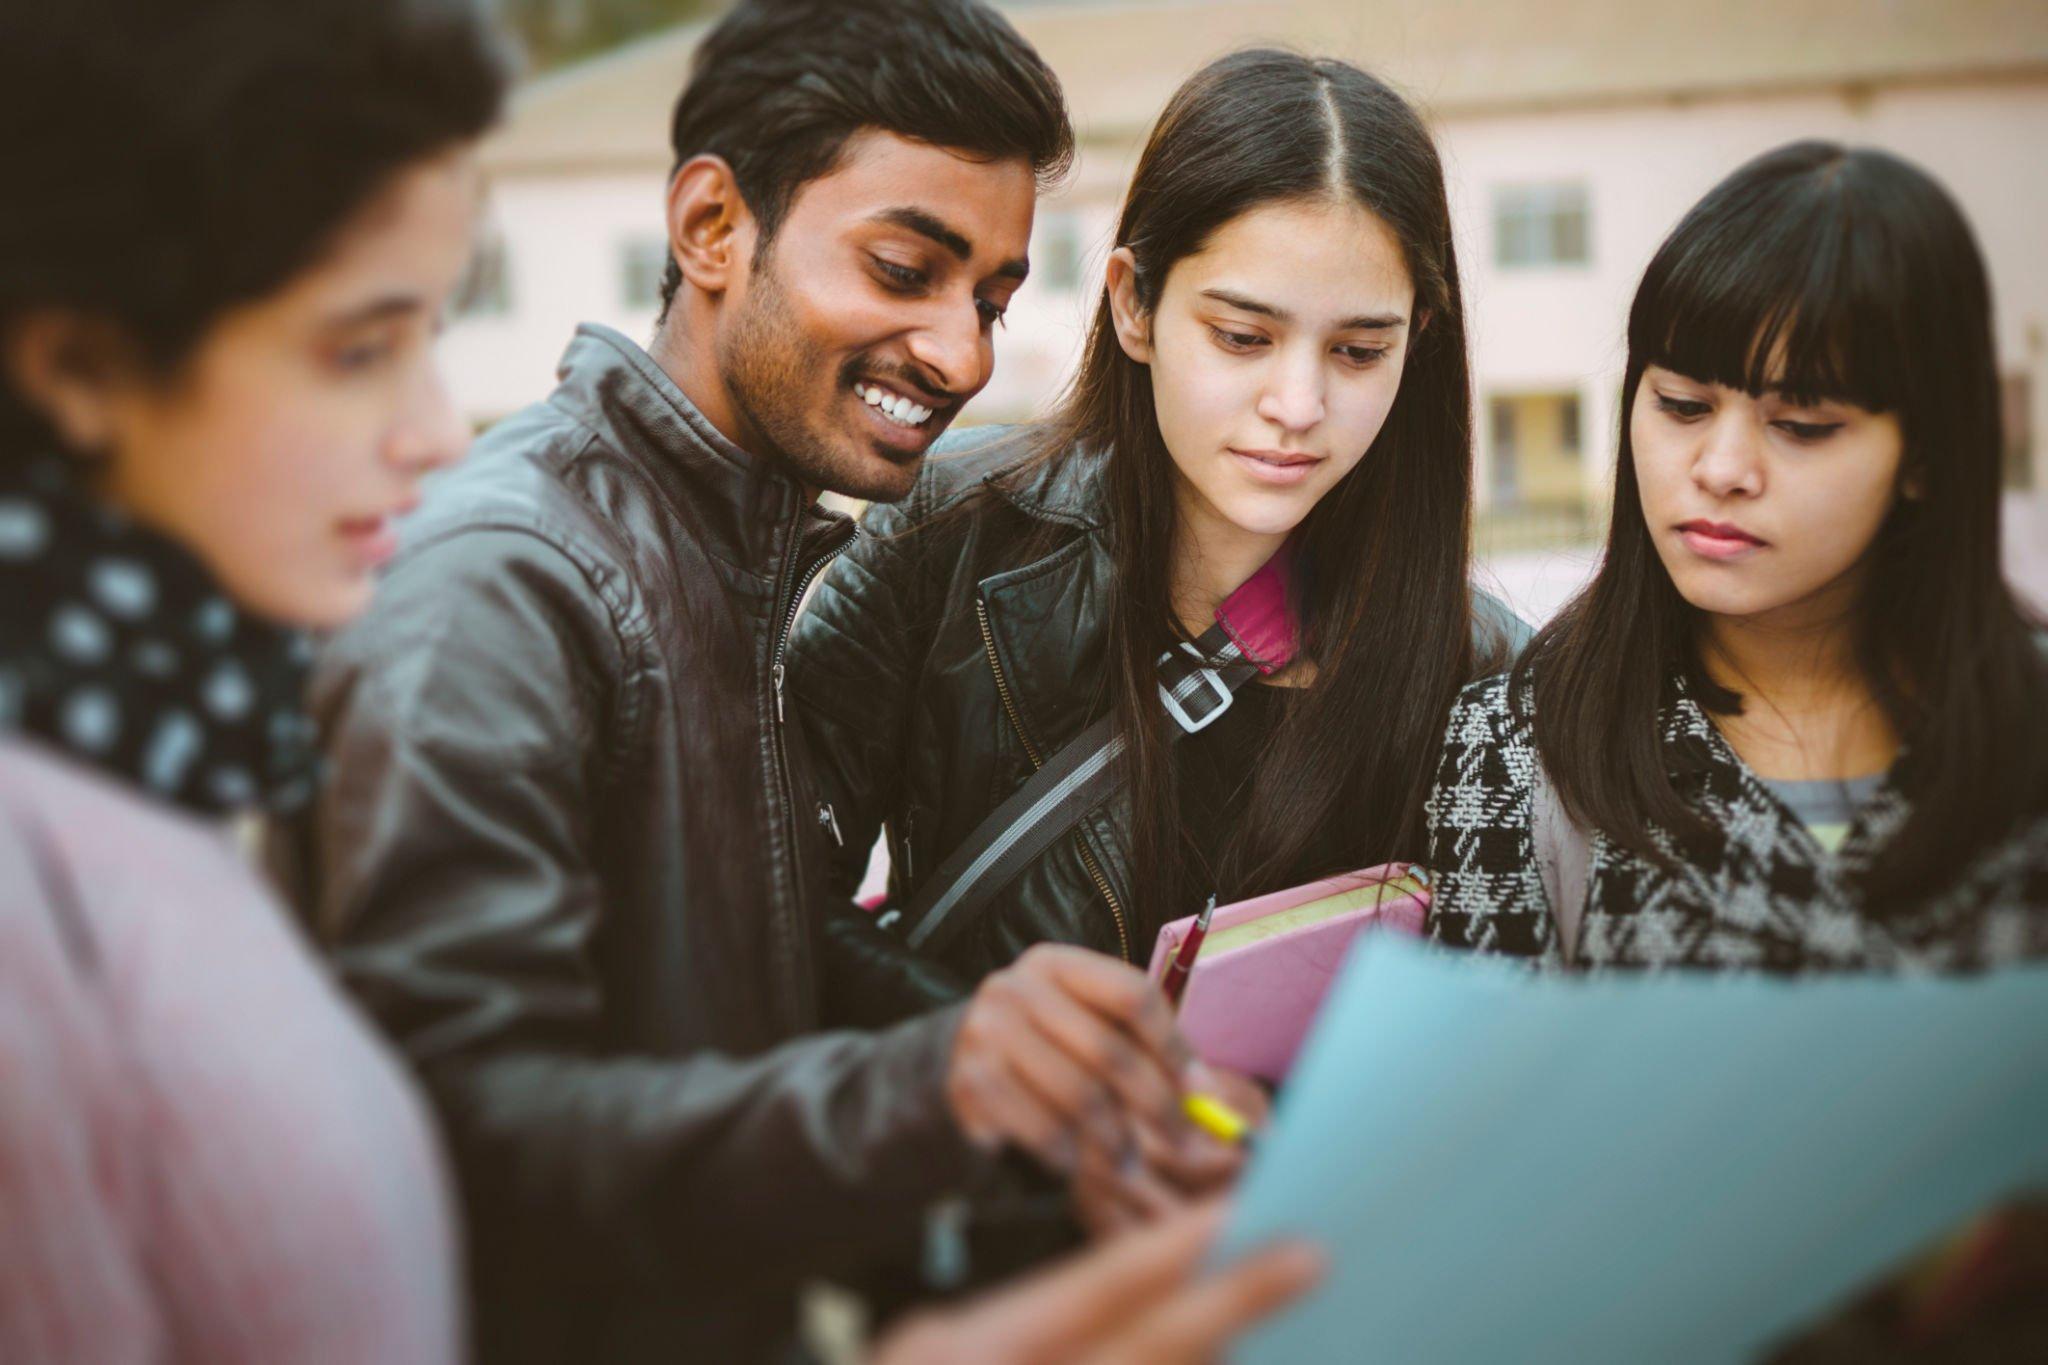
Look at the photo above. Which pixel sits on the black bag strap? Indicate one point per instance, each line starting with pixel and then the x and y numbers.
pixel 1197 682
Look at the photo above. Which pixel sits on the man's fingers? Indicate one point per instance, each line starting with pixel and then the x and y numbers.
pixel 1195 1321
pixel 1105 1049
pixel 1097 1192
pixel 1116 990
pixel 1084 1101
pixel 996 1103
pixel 1189 1160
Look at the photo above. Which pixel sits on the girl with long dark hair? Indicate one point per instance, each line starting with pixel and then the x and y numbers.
pixel 1276 368
pixel 1797 721
pixel 230 230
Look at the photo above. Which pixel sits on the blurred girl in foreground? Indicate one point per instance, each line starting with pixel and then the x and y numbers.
pixel 232 229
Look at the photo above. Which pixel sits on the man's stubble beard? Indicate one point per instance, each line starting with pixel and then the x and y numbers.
pixel 768 369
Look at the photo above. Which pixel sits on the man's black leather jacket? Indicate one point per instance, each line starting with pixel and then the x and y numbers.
pixel 565 856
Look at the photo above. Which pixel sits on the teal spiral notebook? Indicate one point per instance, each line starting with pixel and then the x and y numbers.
pixel 1503 1166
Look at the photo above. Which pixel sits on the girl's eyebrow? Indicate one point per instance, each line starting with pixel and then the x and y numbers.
pixel 378 310
pixel 1379 322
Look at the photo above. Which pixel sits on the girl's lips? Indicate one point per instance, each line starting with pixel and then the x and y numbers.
pixel 1274 467
pixel 1718 540
pixel 372 541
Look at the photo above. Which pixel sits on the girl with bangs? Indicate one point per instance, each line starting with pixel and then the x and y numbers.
pixel 1797 721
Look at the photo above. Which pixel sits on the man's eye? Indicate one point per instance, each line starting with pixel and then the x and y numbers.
pixel 1684 409
pixel 991 314
pixel 900 276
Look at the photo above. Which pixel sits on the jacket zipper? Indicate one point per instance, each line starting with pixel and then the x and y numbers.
pixel 786 797
pixel 1102 884
pixel 777 673
pixel 995 663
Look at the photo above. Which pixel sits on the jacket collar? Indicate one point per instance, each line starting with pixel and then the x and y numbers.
pixel 616 389
pixel 1048 619
pixel 1067 490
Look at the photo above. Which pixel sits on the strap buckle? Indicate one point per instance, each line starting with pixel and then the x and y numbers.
pixel 1174 683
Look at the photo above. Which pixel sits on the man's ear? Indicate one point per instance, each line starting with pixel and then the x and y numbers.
pixel 710 231
pixel 1133 325
pixel 71 370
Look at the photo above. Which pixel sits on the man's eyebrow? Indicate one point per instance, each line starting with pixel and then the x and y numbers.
pixel 926 225
pixel 1364 322
pixel 381 309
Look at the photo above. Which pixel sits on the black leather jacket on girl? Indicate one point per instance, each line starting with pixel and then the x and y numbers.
pixel 939 664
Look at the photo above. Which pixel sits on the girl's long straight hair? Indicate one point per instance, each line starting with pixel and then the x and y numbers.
pixel 1821 272
pixel 1383 557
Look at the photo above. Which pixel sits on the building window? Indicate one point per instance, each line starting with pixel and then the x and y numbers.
pixel 642 263
pixel 2019 431
pixel 1536 225
pixel 486 288
pixel 1537 473
pixel 1056 259
pixel 1503 449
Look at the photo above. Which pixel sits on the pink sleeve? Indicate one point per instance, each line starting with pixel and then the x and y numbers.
pixel 72 1284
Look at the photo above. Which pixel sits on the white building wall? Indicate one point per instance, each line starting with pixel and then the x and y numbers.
pixel 564 239
pixel 1563 327
pixel 1532 329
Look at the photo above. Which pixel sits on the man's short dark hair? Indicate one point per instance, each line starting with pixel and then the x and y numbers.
pixel 778 87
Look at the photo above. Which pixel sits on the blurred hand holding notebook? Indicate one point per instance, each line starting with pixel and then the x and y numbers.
pixel 1268 962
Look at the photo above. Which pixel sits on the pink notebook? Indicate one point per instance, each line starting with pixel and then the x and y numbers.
pixel 1261 975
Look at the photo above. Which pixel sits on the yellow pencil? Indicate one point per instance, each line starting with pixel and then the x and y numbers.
pixel 1216 1118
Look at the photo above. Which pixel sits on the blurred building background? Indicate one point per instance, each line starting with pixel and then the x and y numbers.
pixel 1574 134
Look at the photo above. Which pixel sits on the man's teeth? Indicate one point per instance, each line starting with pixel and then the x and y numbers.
pixel 896 408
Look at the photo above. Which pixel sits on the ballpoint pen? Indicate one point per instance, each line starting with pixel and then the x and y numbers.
pixel 1175 982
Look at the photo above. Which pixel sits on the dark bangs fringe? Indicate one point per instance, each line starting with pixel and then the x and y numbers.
pixel 1777 291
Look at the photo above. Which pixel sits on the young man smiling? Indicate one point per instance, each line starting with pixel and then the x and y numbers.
pixel 567 855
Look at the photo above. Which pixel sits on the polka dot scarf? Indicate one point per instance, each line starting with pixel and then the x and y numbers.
pixel 116 647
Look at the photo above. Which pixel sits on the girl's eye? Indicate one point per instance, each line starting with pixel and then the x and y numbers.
pixel 1362 356
pixel 1235 341
pixel 362 356
pixel 1684 409
pixel 1808 431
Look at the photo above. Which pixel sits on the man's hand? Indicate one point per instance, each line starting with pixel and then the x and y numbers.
pixel 1067 1043
pixel 1117 1189
pixel 1134 1301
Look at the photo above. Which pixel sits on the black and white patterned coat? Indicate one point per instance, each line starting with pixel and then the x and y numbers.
pixel 1771 900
